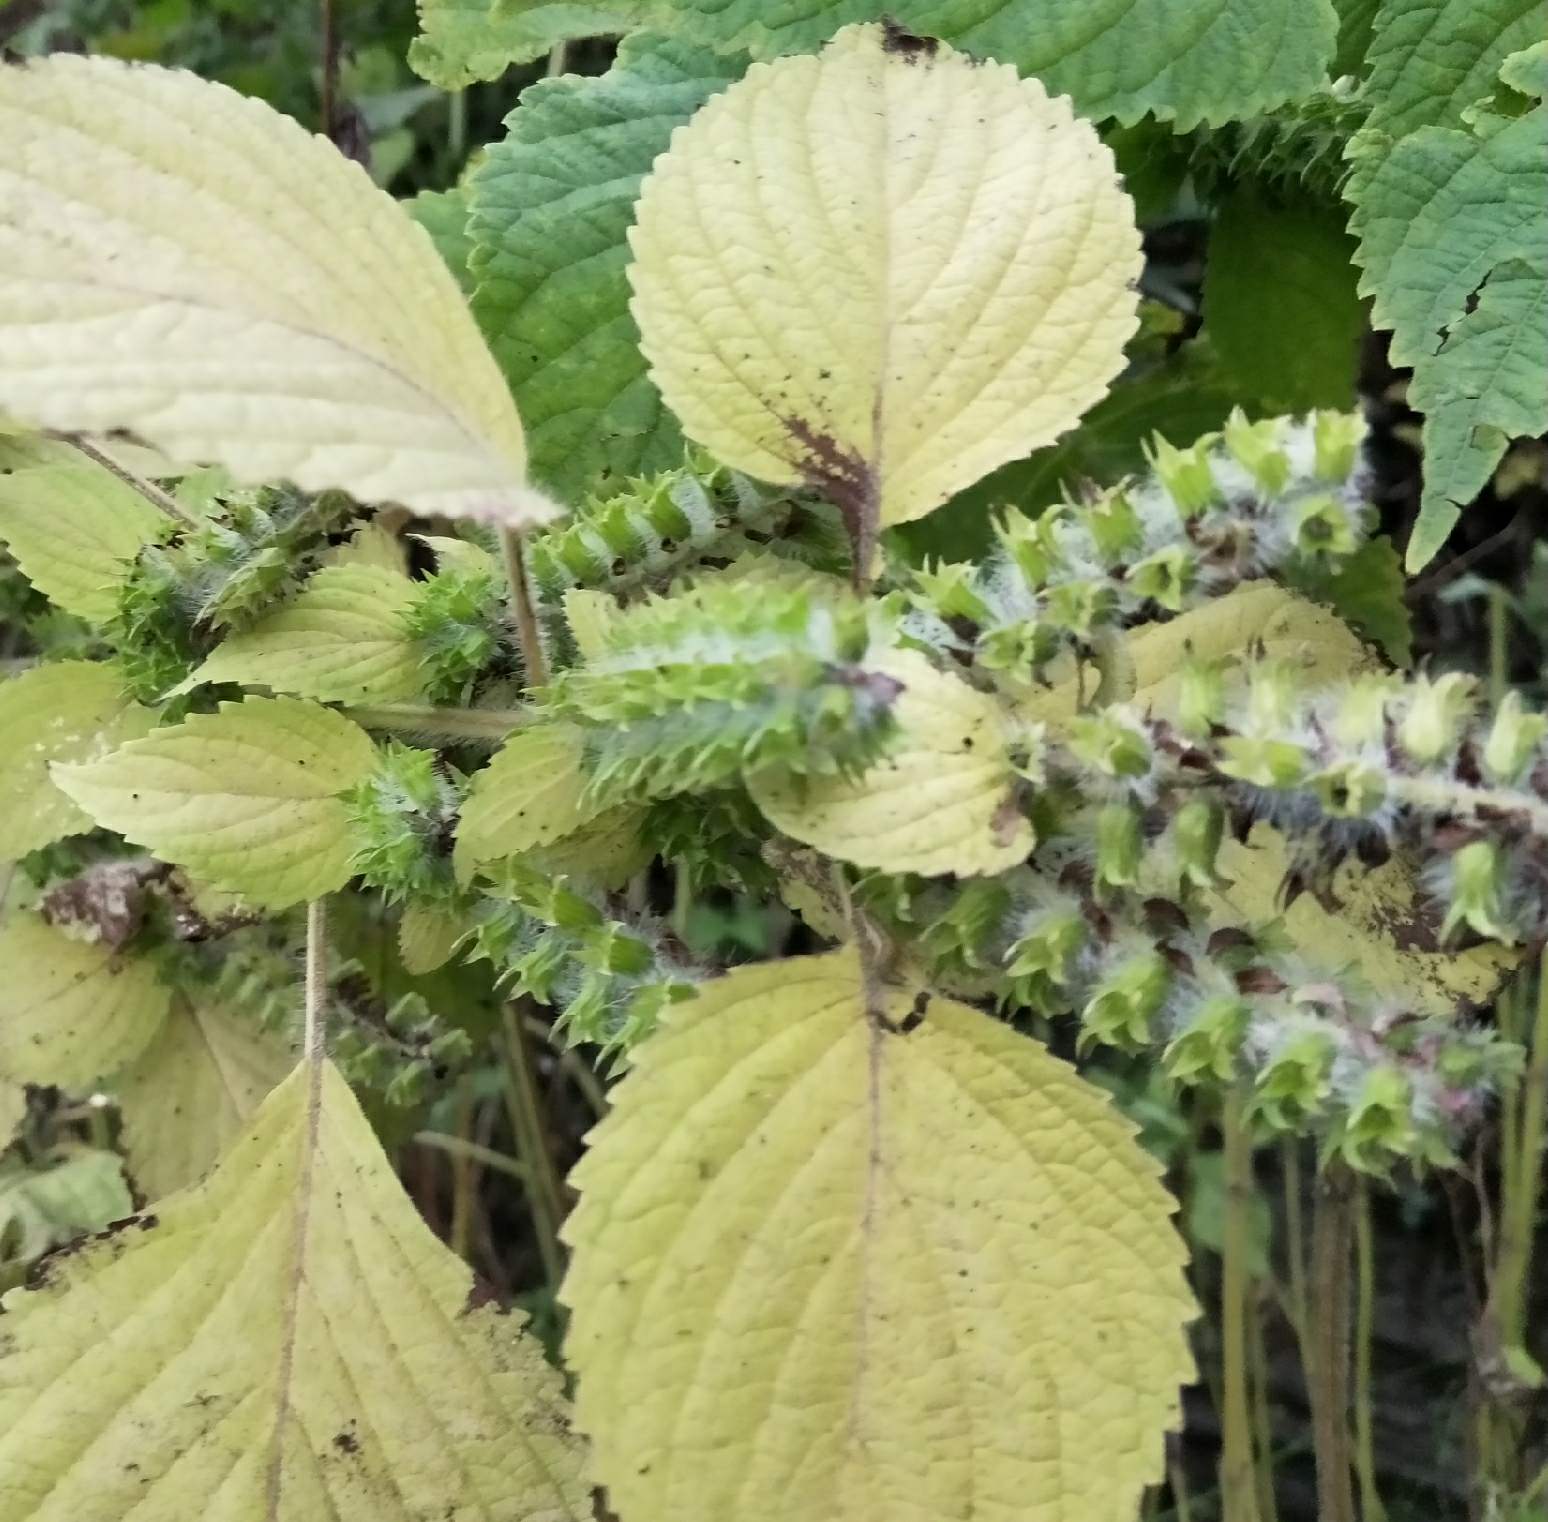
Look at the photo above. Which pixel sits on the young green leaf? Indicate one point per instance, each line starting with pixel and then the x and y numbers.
pixel 1367 592
pixel 42 1206
pixel 941 799
pixel 848 314
pixel 186 263
pixel 532 793
pixel 246 798
pixel 1166 57
pixel 877 1264
pixel 551 208
pixel 192 1091
pixel 73 526
pixel 327 1364
pixel 70 711
pixel 342 639
pixel 72 1012
pixel 464 41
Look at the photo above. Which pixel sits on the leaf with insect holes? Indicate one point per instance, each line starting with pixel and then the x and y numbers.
pixel 68 711
pixel 71 1011
pixel 246 798
pixel 327 1363
pixel 73 527
pixel 183 262
pixel 942 798
pixel 341 639
pixel 907 268
pixel 824 1268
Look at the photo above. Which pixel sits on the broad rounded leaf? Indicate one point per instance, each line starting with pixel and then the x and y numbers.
pixel 341 639
pixel 71 711
pixel 186 263
pixel 905 269
pixel 246 798
pixel 427 937
pixel 191 1092
pixel 942 798
pixel 824 1268
pixel 1182 60
pixel 72 1012
pixel 531 794
pixel 73 527
pixel 1432 59
pixel 286 1341
pixel 551 206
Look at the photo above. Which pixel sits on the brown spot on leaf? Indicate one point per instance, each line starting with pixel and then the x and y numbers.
pixel 841 475
pixel 898 40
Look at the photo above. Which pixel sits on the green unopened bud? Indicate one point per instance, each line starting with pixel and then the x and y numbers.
pixel 1114 526
pixel 409 1086
pixel 1350 791
pixel 1048 950
pixel 1293 1085
pixel 1025 646
pixel 610 948
pixel 1362 712
pixel 950 589
pixel 1120 1011
pixel 1082 607
pixel 1105 743
pixel 1324 528
pixel 1437 712
pixel 1201 702
pixel 1379 1124
pixel 1264 763
pixel 1514 740
pixel 1256 447
pixel 1119 845
pixel 1185 473
pixel 1197 828
pixel 1336 439
pixel 1029 545
pixel 1478 892
pixel 1208 1045
pixel 1166 577
pixel 1274 698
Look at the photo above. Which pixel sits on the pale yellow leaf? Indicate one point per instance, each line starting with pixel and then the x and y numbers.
pixel 371 544
pixel 246 798
pixel 827 1269
pixel 427 937
pixel 13 1106
pixel 185 263
pixel 191 1092
pixel 883 271
pixel 70 711
pixel 943 798
pixel 74 528
pixel 531 794
pixel 341 639
pixel 71 1012
pixel 285 1342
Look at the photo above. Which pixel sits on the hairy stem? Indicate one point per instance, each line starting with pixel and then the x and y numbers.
pixel 523 616
pixel 1332 1234
pixel 473 1152
pixel 315 1035
pixel 1371 1509
pixel 1238 1480
pixel 1518 1210
pixel 147 489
